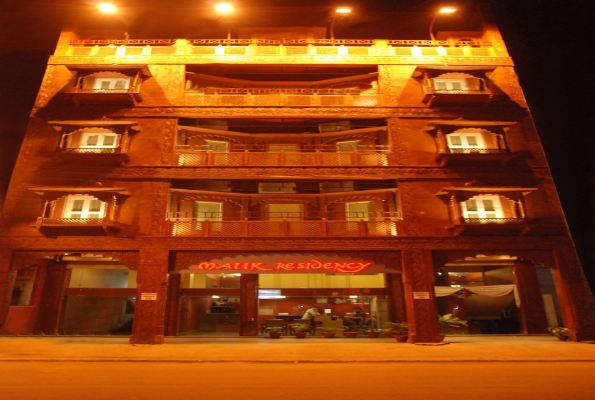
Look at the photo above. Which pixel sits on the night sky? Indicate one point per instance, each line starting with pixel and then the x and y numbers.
pixel 548 40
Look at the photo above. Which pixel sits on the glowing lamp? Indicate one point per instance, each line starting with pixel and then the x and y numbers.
pixel 224 8
pixel 447 10
pixel 343 10
pixel 107 8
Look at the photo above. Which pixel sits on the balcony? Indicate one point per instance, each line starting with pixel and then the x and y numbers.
pixel 462 156
pixel 125 97
pixel 76 226
pixel 492 226
pixel 285 225
pixel 256 155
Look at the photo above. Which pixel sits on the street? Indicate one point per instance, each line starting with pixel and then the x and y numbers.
pixel 289 381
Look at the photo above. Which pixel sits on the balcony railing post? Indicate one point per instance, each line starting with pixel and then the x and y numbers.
pixel 244 229
pixel 207 226
pixel 361 228
pixel 282 158
pixel 210 158
pixel 284 227
pixel 323 227
pixel 317 157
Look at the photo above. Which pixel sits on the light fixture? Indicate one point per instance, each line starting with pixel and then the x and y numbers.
pixel 343 10
pixel 224 8
pixel 107 8
pixel 447 10
pixel 442 10
pixel 340 10
pixel 353 297
pixel 215 297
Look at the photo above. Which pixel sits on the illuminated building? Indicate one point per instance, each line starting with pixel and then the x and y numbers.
pixel 163 182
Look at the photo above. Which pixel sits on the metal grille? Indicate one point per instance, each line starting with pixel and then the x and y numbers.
pixel 81 51
pixel 330 101
pixel 298 101
pixel 107 51
pixel 226 228
pixel 429 51
pixel 331 51
pixel 202 50
pixel 192 159
pixel 264 159
pixel 373 159
pixel 364 51
pixel 265 228
pixel 88 151
pixel 342 228
pixel 228 159
pixel 267 100
pixel 480 52
pixel 72 221
pixel 164 50
pixel 493 220
pixel 365 101
pixel 299 159
pixel 262 50
pixel 403 51
pixel 336 158
pixel 235 50
pixel 188 228
pixel 457 51
pixel 381 228
pixel 233 100
pixel 198 100
pixel 295 50
pixel 134 51
pixel 303 228
pixel 472 150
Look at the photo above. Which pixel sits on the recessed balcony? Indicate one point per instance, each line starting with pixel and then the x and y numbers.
pixel 462 156
pixel 76 226
pixel 491 226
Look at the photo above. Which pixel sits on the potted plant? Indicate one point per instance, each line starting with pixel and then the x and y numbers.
pixel 560 332
pixel 275 331
pixel 328 332
pixel 398 330
pixel 448 321
pixel 300 330
pixel 351 331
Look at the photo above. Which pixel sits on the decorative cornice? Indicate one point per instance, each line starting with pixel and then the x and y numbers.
pixel 279 59
pixel 492 243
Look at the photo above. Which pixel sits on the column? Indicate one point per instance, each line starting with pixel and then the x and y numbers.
pixel 249 305
pixel 418 282
pixel 574 296
pixel 57 278
pixel 396 298
pixel 172 313
pixel 6 283
pixel 532 310
pixel 151 295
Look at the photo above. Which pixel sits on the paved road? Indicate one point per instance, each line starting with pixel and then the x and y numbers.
pixel 297 381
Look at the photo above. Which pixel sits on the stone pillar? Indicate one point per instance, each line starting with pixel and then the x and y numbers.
pixel 52 298
pixel 574 295
pixel 149 313
pixel 6 283
pixel 418 281
pixel 532 310
pixel 172 313
pixel 249 305
pixel 396 298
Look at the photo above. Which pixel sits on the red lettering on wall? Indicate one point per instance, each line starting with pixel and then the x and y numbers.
pixel 343 267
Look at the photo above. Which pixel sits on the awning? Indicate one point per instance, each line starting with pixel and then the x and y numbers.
pixel 50 193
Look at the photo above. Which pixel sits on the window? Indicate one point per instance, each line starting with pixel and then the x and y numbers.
pixel 465 140
pixel 204 210
pixel 217 146
pixel 289 212
pixel 92 140
pixel 363 210
pixel 276 187
pixel 351 146
pixel 111 84
pixel 286 147
pixel 450 84
pixel 83 207
pixel 482 207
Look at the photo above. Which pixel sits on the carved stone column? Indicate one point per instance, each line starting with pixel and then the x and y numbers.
pixel 574 296
pixel 52 298
pixel 533 316
pixel 6 283
pixel 418 280
pixel 396 298
pixel 249 305
pixel 172 313
pixel 151 295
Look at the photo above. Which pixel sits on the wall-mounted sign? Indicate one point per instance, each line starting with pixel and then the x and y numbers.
pixel 148 296
pixel 311 265
pixel 421 295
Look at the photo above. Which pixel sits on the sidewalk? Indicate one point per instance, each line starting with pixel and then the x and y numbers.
pixel 291 350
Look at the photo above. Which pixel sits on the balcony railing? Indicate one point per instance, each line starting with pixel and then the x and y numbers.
pixel 494 220
pixel 76 226
pixel 475 150
pixel 304 216
pixel 258 47
pixel 318 157
pixel 283 98
pixel 90 151
pixel 70 221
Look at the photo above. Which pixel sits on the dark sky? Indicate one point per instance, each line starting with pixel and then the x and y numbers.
pixel 548 41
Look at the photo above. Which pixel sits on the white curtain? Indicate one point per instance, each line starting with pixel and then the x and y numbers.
pixel 489 291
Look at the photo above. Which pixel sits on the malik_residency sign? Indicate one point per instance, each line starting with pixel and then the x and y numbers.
pixel 285 263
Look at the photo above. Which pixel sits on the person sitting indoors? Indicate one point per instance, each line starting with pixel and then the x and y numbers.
pixel 311 313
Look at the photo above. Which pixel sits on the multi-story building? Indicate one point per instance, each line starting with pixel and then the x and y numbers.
pixel 206 187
